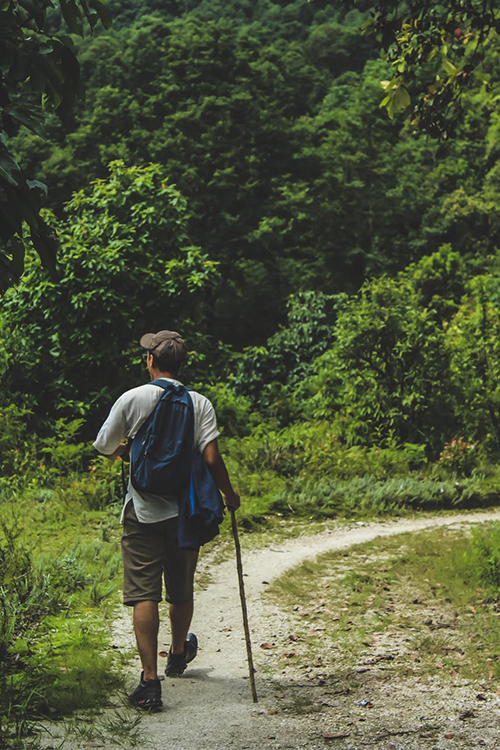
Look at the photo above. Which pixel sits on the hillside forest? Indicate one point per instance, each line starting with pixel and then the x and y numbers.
pixel 230 174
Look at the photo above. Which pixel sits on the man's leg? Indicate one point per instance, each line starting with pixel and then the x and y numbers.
pixel 180 620
pixel 146 623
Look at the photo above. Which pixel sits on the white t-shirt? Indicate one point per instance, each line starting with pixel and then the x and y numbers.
pixel 125 418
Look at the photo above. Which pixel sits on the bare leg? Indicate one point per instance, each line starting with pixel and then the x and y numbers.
pixel 180 620
pixel 146 624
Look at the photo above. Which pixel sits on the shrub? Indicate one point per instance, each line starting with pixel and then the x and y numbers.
pixel 482 559
pixel 17 446
pixel 386 378
pixel 285 360
pixel 473 339
pixel 365 495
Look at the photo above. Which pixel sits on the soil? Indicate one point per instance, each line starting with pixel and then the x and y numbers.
pixel 211 706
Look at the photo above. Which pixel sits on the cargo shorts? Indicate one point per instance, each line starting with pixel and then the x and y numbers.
pixel 150 555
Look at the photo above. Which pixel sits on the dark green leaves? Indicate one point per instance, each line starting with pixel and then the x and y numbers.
pixel 39 71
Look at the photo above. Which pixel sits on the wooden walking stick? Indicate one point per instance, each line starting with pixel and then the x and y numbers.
pixel 243 605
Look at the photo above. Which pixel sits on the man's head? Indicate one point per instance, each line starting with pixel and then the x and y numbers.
pixel 166 351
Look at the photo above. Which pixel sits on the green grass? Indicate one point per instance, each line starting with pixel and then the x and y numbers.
pixel 59 574
pixel 418 595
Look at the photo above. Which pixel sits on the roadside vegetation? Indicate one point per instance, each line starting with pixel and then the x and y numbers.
pixel 59 564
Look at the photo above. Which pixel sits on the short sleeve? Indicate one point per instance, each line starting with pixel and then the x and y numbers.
pixel 114 430
pixel 206 429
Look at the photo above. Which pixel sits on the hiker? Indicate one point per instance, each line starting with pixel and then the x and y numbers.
pixel 150 549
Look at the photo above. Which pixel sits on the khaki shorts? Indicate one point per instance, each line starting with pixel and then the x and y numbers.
pixel 150 553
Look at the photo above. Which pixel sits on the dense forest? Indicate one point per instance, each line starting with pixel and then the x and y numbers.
pixel 231 175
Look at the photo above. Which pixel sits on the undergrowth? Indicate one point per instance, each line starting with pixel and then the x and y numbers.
pixel 59 562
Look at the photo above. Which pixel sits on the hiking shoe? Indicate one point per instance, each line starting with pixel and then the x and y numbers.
pixel 147 694
pixel 177 663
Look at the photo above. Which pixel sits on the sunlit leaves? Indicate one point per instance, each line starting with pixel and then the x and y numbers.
pixel 125 265
pixel 435 50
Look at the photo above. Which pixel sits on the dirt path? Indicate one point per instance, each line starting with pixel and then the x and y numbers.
pixel 211 706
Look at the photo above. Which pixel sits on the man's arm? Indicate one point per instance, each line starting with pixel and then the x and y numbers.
pixel 215 462
pixel 111 440
pixel 118 453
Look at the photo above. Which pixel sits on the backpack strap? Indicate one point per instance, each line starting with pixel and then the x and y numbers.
pixel 161 382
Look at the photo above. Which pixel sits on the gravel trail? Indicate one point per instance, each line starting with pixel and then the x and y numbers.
pixel 211 707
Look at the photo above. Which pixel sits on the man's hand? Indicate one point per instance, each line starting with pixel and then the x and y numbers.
pixel 118 452
pixel 215 462
pixel 232 500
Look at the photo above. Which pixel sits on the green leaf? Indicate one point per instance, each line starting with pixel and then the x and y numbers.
pixel 30 116
pixel 72 15
pixel 9 168
pixel 15 248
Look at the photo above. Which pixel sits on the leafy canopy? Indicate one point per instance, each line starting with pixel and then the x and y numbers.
pixel 125 266
pixel 435 49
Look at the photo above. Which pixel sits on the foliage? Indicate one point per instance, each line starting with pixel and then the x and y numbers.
pixel 17 451
pixel 440 280
pixel 286 358
pixel 295 180
pixel 436 46
pixel 458 456
pixel 235 415
pixel 473 340
pixel 482 559
pixel 233 118
pixel 124 255
pixel 386 375
pixel 38 71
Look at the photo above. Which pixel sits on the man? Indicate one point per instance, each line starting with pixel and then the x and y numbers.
pixel 149 542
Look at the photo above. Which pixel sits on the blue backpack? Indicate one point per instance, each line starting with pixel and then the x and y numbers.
pixel 160 457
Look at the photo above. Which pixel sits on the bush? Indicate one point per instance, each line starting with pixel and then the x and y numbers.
pixel 17 446
pixel 386 378
pixel 268 374
pixel 482 559
pixel 365 495
pixel 235 415
pixel 473 339
pixel 49 664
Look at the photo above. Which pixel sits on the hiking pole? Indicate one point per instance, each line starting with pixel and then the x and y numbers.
pixel 243 605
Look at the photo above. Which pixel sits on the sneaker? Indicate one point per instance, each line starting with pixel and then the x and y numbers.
pixel 177 663
pixel 147 694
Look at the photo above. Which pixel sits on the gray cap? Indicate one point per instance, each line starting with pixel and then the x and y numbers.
pixel 165 345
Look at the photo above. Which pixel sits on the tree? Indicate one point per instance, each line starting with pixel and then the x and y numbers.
pixel 473 339
pixel 38 72
pixel 386 377
pixel 125 266
pixel 435 50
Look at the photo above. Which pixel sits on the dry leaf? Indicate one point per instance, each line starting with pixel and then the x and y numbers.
pixel 267 645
